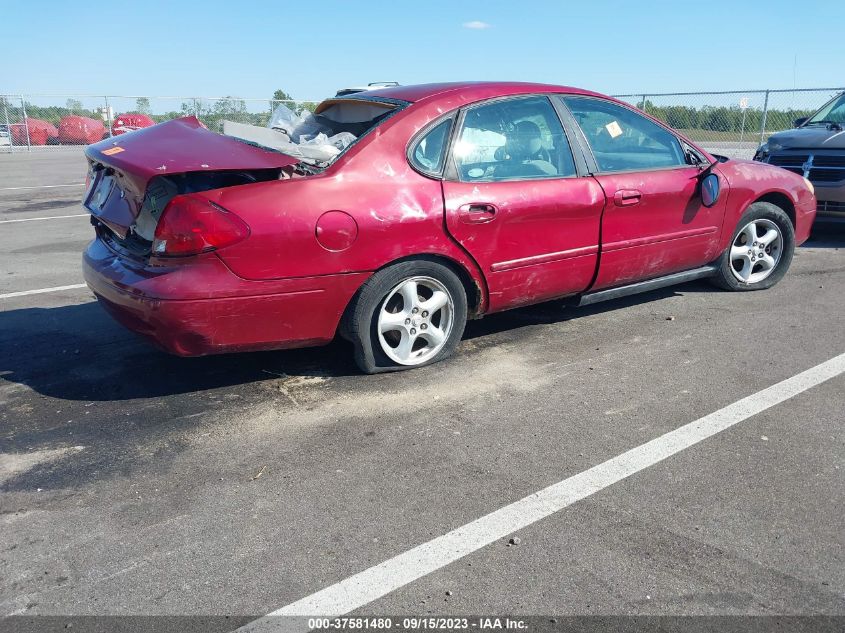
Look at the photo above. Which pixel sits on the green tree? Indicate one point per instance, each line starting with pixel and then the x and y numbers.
pixel 5 108
pixel 229 106
pixel 281 95
pixel 73 104
pixel 679 117
pixel 142 105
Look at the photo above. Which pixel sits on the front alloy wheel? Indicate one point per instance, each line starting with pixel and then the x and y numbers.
pixel 761 250
pixel 756 251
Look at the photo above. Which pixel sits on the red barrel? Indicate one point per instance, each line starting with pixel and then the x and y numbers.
pixel 39 132
pixel 80 130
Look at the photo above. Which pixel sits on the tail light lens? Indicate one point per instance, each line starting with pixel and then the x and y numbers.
pixel 191 224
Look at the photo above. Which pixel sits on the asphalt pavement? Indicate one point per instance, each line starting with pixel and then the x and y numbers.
pixel 132 482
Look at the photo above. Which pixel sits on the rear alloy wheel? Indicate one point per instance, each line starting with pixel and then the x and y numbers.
pixel 415 320
pixel 760 252
pixel 408 315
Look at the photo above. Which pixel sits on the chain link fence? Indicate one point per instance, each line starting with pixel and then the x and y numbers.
pixel 732 123
pixel 36 122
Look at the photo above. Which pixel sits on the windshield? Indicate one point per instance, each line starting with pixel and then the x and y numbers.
pixel 833 112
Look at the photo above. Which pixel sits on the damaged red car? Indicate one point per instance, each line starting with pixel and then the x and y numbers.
pixel 392 217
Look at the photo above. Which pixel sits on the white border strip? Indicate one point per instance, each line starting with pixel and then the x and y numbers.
pixel 375 582
pixel 51 217
pixel 39 291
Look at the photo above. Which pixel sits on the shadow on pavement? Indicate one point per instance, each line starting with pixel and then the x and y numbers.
pixel 79 353
pixel 827 235
pixel 98 386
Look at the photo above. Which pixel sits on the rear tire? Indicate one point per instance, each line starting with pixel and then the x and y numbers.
pixel 760 251
pixel 408 315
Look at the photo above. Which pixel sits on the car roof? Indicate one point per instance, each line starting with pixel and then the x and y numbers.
pixel 471 90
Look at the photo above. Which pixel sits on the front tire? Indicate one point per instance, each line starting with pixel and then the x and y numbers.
pixel 408 315
pixel 760 251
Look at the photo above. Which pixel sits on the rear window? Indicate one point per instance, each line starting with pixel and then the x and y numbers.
pixel 429 152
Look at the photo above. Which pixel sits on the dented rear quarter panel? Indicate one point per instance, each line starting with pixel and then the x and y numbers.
pixel 398 213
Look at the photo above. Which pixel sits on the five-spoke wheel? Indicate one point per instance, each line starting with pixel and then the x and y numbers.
pixel 406 315
pixel 756 251
pixel 760 251
pixel 415 320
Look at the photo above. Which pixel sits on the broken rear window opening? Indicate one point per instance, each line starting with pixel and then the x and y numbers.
pixel 317 138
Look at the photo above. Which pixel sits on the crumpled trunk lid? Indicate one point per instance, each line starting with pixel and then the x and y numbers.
pixel 122 167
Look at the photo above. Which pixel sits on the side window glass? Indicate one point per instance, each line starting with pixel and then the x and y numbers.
pixel 514 139
pixel 623 140
pixel 429 152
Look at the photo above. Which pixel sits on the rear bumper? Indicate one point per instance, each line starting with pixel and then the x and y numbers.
pixel 200 307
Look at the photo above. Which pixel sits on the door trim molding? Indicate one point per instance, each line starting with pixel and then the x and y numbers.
pixel 545 258
pixel 655 239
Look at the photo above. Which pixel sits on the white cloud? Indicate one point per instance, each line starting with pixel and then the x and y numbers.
pixel 477 25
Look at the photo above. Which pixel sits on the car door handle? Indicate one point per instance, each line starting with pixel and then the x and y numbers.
pixel 477 213
pixel 627 197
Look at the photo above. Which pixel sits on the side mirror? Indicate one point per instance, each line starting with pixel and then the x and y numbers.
pixel 800 121
pixel 710 190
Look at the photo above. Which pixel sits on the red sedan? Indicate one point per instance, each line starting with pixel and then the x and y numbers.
pixel 394 216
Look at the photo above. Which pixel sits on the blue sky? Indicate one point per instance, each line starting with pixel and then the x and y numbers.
pixel 310 49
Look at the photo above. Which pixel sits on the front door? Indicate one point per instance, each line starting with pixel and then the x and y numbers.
pixel 654 223
pixel 515 202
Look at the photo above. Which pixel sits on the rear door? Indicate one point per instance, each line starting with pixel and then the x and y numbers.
pixel 517 203
pixel 654 223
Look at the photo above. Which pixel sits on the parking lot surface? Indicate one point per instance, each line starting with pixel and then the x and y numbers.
pixel 138 483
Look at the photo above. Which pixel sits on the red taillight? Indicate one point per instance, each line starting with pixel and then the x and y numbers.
pixel 191 224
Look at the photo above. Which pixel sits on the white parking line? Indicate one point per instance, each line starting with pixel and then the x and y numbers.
pixel 76 184
pixel 51 217
pixel 375 582
pixel 39 291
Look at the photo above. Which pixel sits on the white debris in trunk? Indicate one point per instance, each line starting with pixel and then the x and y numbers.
pixel 274 139
pixel 309 136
